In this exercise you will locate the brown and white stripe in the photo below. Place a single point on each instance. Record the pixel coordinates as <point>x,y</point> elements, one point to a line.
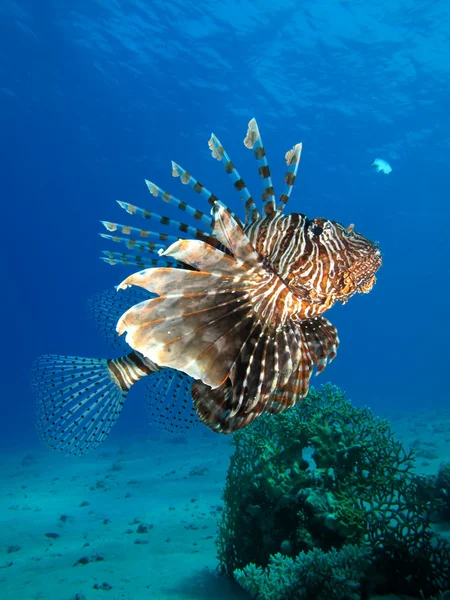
<point>127,370</point>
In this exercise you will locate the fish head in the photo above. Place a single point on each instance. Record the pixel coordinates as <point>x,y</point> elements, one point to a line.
<point>351,259</point>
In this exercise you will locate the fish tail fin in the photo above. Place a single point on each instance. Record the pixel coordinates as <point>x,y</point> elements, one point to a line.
<point>80,399</point>
<point>254,142</point>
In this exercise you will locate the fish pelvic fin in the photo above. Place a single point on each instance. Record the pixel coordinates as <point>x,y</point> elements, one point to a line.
<point>80,399</point>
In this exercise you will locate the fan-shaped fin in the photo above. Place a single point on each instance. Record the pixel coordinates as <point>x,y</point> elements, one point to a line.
<point>204,258</point>
<point>232,236</point>
<point>78,401</point>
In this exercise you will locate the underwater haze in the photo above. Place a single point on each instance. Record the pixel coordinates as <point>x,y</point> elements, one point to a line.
<point>97,96</point>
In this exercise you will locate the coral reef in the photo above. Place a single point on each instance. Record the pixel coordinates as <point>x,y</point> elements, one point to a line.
<point>435,489</point>
<point>320,481</point>
<point>335,575</point>
<point>442,486</point>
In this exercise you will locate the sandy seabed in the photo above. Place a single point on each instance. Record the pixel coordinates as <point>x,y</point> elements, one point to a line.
<point>135,519</point>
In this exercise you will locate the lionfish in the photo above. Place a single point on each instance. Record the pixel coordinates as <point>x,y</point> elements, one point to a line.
<point>238,309</point>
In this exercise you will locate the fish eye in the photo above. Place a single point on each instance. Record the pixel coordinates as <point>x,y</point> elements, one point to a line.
<point>316,229</point>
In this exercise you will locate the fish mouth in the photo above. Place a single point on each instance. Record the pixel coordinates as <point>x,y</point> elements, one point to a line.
<point>360,277</point>
<point>370,266</point>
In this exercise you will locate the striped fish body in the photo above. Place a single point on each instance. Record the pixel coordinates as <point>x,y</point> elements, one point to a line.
<point>128,370</point>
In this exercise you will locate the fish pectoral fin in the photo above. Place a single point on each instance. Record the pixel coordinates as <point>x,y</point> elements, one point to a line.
<point>321,343</point>
<point>198,330</point>
<point>269,376</point>
<point>217,325</point>
<point>236,403</point>
<point>228,408</point>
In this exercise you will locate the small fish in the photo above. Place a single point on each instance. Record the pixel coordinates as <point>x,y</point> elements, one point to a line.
<point>382,166</point>
<point>238,315</point>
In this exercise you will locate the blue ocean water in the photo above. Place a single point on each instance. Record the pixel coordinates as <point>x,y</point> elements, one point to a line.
<point>96,96</point>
